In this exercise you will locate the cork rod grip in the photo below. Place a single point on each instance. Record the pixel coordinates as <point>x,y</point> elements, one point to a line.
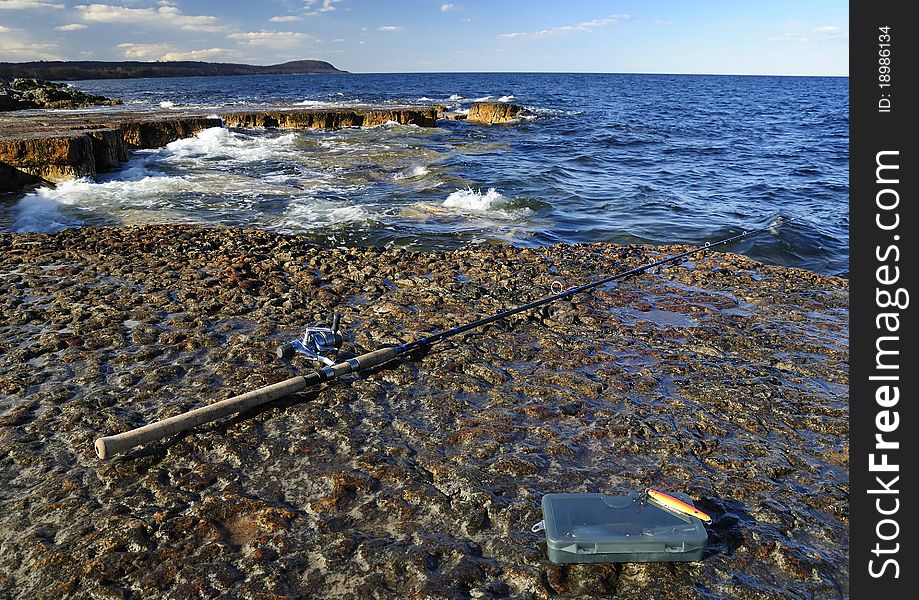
<point>113,444</point>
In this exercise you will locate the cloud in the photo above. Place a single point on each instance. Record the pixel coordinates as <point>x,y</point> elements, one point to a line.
<point>168,52</point>
<point>446,7</point>
<point>327,6</point>
<point>26,4</point>
<point>391,28</point>
<point>564,30</point>
<point>278,39</point>
<point>4,29</point>
<point>207,54</point>
<point>284,19</point>
<point>164,16</point>
<point>145,51</point>
<point>814,35</point>
<point>71,27</point>
<point>27,50</point>
<point>827,32</point>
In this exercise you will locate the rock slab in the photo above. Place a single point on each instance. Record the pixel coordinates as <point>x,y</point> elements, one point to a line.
<point>721,377</point>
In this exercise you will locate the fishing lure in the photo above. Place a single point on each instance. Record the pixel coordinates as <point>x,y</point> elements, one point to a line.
<point>676,505</point>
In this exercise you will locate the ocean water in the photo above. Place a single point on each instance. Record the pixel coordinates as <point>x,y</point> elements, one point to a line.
<point>601,158</point>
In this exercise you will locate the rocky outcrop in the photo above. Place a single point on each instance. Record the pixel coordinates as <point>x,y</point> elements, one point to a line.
<point>63,147</point>
<point>55,158</point>
<point>12,179</point>
<point>158,133</point>
<point>50,158</point>
<point>332,118</point>
<point>22,94</point>
<point>494,112</point>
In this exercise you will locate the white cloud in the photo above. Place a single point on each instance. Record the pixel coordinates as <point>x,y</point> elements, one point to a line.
<point>446,7</point>
<point>27,51</point>
<point>71,27</point>
<point>340,40</point>
<point>4,29</point>
<point>326,6</point>
<point>25,4</point>
<point>278,39</point>
<point>564,30</point>
<point>145,51</point>
<point>207,54</point>
<point>829,32</point>
<point>391,28</point>
<point>284,19</point>
<point>168,52</point>
<point>815,35</point>
<point>164,16</point>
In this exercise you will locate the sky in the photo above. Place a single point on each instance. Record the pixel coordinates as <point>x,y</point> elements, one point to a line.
<point>780,37</point>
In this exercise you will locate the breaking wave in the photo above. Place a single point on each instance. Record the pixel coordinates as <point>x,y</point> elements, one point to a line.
<point>470,199</point>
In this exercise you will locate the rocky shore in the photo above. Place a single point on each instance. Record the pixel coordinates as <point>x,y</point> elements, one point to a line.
<point>721,377</point>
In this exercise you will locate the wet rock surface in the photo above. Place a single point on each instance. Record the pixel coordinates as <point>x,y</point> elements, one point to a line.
<point>494,112</point>
<point>720,377</point>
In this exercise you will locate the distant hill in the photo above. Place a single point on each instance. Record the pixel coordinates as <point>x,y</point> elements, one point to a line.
<point>91,69</point>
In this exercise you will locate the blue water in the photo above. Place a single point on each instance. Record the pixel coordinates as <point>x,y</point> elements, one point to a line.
<point>603,157</point>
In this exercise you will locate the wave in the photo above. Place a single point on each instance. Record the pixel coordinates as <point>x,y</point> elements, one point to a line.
<point>219,143</point>
<point>470,199</point>
<point>312,213</point>
<point>81,201</point>
<point>412,173</point>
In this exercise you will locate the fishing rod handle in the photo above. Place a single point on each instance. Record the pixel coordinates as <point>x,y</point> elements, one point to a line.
<point>360,363</point>
<point>114,444</point>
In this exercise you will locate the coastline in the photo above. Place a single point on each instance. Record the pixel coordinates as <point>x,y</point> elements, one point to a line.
<point>722,377</point>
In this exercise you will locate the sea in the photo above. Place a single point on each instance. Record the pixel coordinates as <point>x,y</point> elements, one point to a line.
<point>624,158</point>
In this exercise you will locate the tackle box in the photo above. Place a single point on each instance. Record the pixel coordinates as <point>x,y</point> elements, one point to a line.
<point>590,528</point>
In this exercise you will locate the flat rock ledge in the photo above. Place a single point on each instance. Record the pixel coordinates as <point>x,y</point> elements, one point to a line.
<point>47,147</point>
<point>721,377</point>
<point>41,148</point>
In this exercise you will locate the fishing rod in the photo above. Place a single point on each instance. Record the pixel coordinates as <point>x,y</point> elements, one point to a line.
<point>318,342</point>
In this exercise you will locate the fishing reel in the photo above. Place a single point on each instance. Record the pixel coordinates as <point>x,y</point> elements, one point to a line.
<point>317,343</point>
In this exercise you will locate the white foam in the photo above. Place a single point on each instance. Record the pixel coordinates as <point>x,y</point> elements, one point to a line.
<point>510,98</point>
<point>484,99</point>
<point>39,212</point>
<point>167,104</point>
<point>53,209</point>
<point>217,142</point>
<point>455,97</point>
<point>412,173</point>
<point>470,199</point>
<point>310,213</point>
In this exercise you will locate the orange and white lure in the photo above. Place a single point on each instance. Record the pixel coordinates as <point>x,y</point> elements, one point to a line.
<point>676,505</point>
